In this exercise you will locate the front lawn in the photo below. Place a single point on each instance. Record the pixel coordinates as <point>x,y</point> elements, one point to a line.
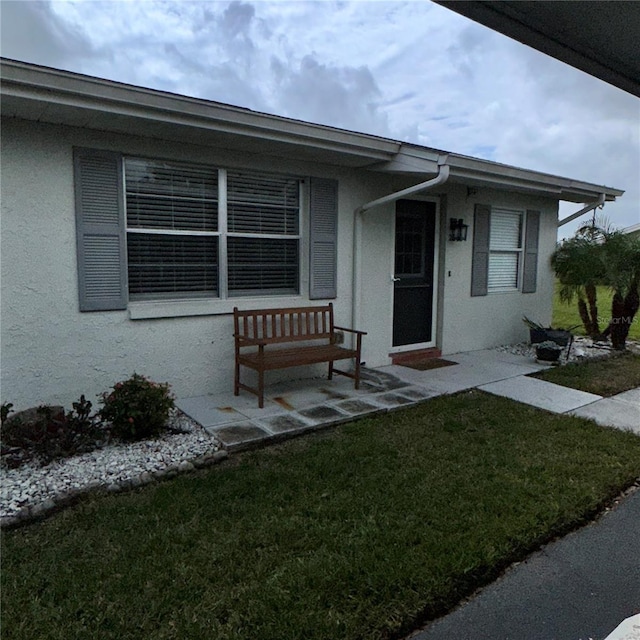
<point>604,377</point>
<point>365,531</point>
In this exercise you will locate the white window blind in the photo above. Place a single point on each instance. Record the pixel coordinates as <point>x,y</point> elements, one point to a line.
<point>262,203</point>
<point>171,196</point>
<point>175,238</point>
<point>172,224</point>
<point>263,220</point>
<point>505,249</point>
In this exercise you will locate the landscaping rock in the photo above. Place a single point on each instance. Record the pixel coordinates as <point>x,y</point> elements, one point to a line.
<point>36,415</point>
<point>114,467</point>
<point>42,507</point>
<point>223,454</point>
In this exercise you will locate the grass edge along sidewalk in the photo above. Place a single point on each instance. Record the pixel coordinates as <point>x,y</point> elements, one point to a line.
<point>604,376</point>
<point>365,531</point>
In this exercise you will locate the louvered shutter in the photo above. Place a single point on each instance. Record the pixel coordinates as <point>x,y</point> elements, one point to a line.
<point>100,232</point>
<point>480,260</point>
<point>323,251</point>
<point>530,268</point>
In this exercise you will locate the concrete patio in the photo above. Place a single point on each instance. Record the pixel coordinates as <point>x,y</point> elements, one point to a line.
<point>295,407</point>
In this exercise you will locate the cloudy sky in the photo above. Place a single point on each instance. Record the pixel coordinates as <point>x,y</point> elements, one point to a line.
<point>411,71</point>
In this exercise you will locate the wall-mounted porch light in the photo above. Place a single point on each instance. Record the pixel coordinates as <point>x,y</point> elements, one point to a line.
<point>457,230</point>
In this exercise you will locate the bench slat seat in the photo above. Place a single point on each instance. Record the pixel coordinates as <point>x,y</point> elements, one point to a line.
<point>311,329</point>
<point>295,356</point>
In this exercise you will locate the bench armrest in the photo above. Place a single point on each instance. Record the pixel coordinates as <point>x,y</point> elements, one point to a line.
<point>356,331</point>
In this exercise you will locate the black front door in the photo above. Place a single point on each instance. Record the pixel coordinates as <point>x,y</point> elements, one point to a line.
<point>413,278</point>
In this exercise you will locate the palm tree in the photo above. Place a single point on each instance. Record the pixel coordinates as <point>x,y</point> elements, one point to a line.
<point>621,261</point>
<point>598,255</point>
<point>578,267</point>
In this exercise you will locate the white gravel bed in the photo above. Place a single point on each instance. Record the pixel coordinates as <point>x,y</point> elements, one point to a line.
<point>31,489</point>
<point>581,349</point>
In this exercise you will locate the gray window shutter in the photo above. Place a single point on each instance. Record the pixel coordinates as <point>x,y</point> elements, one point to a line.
<point>530,269</point>
<point>100,230</point>
<point>323,252</point>
<point>480,261</point>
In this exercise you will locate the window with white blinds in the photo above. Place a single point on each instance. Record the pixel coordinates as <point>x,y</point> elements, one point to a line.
<point>185,239</point>
<point>263,220</point>
<point>505,249</point>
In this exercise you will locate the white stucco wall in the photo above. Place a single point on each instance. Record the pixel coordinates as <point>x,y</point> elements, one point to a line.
<point>52,353</point>
<point>471,323</point>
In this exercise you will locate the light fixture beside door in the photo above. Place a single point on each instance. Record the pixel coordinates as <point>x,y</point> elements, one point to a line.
<point>457,230</point>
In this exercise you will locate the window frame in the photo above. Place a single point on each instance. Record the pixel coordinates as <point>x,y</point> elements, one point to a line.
<point>517,251</point>
<point>222,234</point>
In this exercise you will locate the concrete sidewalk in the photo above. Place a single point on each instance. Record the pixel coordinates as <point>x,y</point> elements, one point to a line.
<point>578,588</point>
<point>621,411</point>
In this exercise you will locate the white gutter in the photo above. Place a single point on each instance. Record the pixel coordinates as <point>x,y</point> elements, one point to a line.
<point>442,177</point>
<point>589,207</point>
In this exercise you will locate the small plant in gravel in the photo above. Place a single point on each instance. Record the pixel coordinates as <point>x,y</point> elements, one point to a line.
<point>47,433</point>
<point>137,408</point>
<point>5,409</point>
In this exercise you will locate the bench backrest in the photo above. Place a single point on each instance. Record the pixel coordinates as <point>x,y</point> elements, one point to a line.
<point>284,325</point>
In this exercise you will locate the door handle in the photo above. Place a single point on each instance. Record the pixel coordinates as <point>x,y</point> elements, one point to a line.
<point>394,279</point>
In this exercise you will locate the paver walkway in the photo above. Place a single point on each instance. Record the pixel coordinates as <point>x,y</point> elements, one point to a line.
<point>292,408</point>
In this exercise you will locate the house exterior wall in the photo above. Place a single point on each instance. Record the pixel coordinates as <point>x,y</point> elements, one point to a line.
<point>480,322</point>
<point>464,323</point>
<point>53,353</point>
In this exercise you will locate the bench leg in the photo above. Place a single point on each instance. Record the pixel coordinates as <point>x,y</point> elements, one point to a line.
<point>331,370</point>
<point>357,373</point>
<point>261,389</point>
<point>236,380</point>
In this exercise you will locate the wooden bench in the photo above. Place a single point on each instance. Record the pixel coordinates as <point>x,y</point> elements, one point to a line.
<point>312,330</point>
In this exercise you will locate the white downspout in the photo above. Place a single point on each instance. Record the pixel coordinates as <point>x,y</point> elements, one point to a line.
<point>598,203</point>
<point>443,176</point>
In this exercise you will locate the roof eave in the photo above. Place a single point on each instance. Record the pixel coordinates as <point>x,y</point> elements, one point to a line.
<point>492,174</point>
<point>39,91</point>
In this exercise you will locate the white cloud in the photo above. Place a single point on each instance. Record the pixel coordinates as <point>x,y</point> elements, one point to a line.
<point>408,70</point>
<point>31,32</point>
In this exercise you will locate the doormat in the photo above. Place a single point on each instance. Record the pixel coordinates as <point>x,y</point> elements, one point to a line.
<point>428,363</point>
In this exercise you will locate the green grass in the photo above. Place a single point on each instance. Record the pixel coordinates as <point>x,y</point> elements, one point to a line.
<point>361,532</point>
<point>604,377</point>
<point>566,315</point>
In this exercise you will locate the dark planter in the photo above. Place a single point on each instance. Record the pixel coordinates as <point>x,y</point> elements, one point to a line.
<point>548,355</point>
<point>561,338</point>
<point>537,335</point>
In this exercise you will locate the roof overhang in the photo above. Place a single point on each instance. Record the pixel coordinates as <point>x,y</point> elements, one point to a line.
<point>42,94</point>
<point>474,172</point>
<point>60,97</point>
<point>598,37</point>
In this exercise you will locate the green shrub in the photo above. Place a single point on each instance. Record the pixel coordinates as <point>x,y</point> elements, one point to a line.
<point>137,408</point>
